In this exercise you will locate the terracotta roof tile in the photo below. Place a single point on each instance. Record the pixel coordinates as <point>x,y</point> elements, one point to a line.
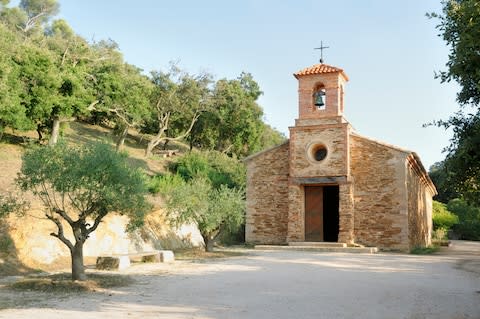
<point>319,69</point>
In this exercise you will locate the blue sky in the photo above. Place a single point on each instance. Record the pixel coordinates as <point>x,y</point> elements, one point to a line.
<point>389,50</point>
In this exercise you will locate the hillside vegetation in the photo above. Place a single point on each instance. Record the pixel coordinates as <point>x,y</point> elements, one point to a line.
<point>55,85</point>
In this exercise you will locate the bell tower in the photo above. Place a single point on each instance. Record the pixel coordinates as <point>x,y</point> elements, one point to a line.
<point>320,94</point>
<point>319,159</point>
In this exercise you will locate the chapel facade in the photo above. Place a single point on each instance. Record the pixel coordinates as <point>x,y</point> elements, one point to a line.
<point>327,183</point>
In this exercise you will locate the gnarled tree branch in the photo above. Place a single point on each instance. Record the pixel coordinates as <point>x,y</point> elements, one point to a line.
<point>60,234</point>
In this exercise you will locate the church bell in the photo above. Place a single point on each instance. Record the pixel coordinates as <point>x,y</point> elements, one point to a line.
<point>319,98</point>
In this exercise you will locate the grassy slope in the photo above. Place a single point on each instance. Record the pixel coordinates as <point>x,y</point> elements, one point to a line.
<point>13,145</point>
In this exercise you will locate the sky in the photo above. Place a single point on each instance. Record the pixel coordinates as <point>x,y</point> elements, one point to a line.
<point>389,49</point>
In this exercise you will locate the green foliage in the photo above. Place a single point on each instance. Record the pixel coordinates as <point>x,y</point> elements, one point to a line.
<point>235,124</point>
<point>86,182</point>
<point>12,204</point>
<point>271,137</point>
<point>468,226</point>
<point>463,160</point>
<point>79,186</point>
<point>3,4</point>
<point>40,82</point>
<point>122,92</point>
<point>424,250</point>
<point>12,112</point>
<point>460,28</point>
<point>216,167</point>
<point>214,211</point>
<point>45,8</point>
<point>164,184</point>
<point>178,99</point>
<point>442,217</point>
<point>440,234</point>
<point>6,244</point>
<point>208,190</point>
<point>442,178</point>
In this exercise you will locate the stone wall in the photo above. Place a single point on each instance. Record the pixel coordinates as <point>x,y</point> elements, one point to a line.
<point>334,137</point>
<point>267,196</point>
<point>296,213</point>
<point>346,213</point>
<point>419,209</point>
<point>380,196</point>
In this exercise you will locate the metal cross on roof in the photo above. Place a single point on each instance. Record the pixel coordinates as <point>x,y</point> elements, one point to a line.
<point>321,48</point>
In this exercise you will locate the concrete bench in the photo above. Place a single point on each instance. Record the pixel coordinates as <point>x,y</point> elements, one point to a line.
<point>122,261</point>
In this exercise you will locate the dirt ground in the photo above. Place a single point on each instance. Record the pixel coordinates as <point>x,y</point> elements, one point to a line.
<point>278,284</point>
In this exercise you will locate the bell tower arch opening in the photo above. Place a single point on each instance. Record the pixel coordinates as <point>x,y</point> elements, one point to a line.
<point>320,90</point>
<point>319,97</point>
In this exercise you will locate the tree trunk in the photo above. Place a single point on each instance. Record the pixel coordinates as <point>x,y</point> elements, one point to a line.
<point>165,144</point>
<point>39,132</point>
<point>121,139</point>
<point>208,243</point>
<point>55,131</point>
<point>78,270</point>
<point>150,146</point>
<point>154,142</point>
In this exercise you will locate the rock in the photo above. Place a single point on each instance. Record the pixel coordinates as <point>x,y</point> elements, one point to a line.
<point>113,262</point>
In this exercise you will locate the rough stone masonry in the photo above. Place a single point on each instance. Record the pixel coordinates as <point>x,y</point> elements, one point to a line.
<point>328,183</point>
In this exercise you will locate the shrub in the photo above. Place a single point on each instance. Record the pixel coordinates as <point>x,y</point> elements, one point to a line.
<point>440,234</point>
<point>216,167</point>
<point>207,188</point>
<point>468,226</point>
<point>442,217</point>
<point>164,183</point>
<point>6,244</point>
<point>214,211</point>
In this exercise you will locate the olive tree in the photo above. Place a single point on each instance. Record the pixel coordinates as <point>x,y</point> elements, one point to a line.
<point>78,187</point>
<point>213,210</point>
<point>178,100</point>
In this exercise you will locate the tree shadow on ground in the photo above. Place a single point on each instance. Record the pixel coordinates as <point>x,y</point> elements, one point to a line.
<point>255,286</point>
<point>20,140</point>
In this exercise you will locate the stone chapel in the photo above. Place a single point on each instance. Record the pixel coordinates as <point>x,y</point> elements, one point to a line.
<point>327,183</point>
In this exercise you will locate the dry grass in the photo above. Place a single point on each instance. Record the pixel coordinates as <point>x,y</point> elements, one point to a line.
<point>200,254</point>
<point>62,283</point>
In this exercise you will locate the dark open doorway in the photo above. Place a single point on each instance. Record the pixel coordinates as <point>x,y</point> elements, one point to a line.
<point>321,213</point>
<point>330,213</point>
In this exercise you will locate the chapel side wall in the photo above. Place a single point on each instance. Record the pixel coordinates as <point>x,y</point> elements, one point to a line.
<point>419,210</point>
<point>380,195</point>
<point>267,197</point>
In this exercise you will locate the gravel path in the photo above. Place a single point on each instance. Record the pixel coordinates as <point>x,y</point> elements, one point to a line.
<point>280,284</point>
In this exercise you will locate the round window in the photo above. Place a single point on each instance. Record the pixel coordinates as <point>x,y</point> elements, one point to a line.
<point>319,152</point>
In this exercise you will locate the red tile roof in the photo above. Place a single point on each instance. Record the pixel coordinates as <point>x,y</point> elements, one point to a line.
<point>319,69</point>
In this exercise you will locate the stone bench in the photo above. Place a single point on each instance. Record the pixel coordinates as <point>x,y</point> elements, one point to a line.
<point>166,153</point>
<point>122,261</point>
